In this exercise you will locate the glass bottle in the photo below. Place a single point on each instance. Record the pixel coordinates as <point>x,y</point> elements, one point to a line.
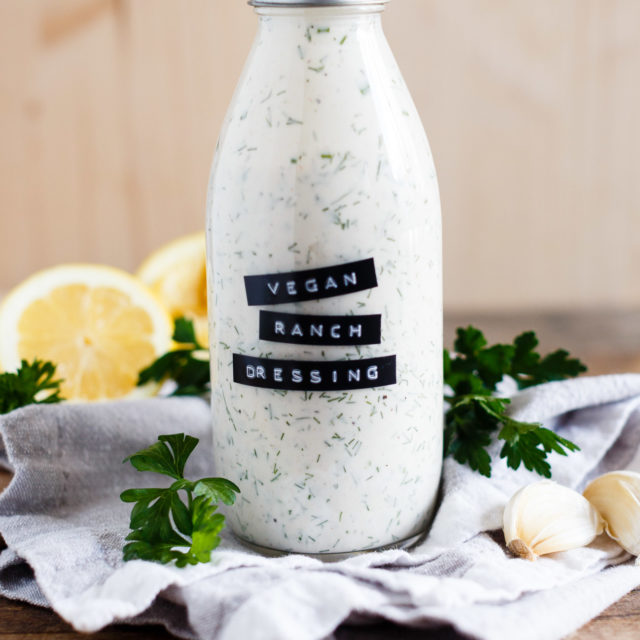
<point>324,271</point>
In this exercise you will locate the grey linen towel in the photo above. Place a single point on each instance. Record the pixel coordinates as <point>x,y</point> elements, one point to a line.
<point>64,528</point>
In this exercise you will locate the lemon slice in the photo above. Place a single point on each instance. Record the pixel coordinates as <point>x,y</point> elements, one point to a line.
<point>177,274</point>
<point>99,325</point>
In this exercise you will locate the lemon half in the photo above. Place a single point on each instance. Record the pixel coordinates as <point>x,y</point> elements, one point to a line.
<point>99,325</point>
<point>177,274</point>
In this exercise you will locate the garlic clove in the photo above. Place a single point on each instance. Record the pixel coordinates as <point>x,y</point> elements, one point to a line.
<point>545,517</point>
<point>616,495</point>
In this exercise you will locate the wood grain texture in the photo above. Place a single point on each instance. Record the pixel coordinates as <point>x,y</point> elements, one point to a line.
<point>110,109</point>
<point>607,342</point>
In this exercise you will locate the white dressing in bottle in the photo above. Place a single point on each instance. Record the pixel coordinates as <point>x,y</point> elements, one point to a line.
<point>325,289</point>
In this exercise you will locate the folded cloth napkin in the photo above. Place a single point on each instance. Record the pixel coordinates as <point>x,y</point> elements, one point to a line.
<point>64,528</point>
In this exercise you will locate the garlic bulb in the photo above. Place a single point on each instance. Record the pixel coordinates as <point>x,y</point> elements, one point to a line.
<point>616,496</point>
<point>545,517</point>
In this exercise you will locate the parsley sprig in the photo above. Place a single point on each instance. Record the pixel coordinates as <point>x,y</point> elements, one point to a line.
<point>33,383</point>
<point>475,414</point>
<point>162,524</point>
<point>187,365</point>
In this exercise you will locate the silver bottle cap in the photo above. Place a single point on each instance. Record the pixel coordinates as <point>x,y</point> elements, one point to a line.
<point>312,3</point>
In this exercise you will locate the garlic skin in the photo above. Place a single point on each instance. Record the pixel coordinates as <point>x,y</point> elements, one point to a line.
<point>616,495</point>
<point>545,517</point>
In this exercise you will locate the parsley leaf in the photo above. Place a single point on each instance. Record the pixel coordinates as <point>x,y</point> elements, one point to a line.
<point>475,414</point>
<point>469,425</point>
<point>32,383</point>
<point>528,368</point>
<point>187,365</point>
<point>167,456</point>
<point>163,526</point>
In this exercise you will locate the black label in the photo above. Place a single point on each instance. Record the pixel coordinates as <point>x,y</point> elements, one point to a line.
<point>311,284</point>
<point>296,328</point>
<point>306,375</point>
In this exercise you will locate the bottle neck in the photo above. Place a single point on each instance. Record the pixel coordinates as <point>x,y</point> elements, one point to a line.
<point>315,26</point>
<point>327,12</point>
<point>318,4</point>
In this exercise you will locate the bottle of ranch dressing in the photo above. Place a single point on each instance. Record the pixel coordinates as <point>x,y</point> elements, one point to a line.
<point>324,244</point>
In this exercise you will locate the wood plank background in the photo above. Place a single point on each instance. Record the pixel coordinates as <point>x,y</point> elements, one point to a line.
<point>110,109</point>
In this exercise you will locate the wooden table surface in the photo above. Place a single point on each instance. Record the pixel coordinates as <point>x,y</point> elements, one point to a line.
<point>608,342</point>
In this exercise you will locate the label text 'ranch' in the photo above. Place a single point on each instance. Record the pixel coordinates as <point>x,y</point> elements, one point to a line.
<point>321,330</point>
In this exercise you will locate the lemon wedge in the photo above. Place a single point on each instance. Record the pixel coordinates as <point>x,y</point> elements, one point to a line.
<point>177,274</point>
<point>99,325</point>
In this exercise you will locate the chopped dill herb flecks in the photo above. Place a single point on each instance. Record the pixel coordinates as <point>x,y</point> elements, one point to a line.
<point>343,161</point>
<point>331,192</point>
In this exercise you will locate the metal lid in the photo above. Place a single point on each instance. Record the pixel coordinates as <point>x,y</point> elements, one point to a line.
<point>312,3</point>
